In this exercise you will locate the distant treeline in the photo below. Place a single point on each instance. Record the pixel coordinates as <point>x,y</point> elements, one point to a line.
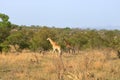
<point>34,37</point>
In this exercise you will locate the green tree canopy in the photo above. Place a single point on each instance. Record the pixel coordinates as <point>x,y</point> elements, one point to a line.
<point>5,27</point>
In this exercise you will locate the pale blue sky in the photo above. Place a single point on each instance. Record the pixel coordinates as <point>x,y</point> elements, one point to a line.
<point>64,13</point>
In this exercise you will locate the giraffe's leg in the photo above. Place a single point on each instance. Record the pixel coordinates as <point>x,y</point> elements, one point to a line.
<point>53,50</point>
<point>60,52</point>
<point>73,51</point>
<point>69,50</point>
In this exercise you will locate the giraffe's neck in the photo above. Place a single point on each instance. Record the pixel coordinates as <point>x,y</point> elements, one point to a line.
<point>52,42</point>
<point>66,42</point>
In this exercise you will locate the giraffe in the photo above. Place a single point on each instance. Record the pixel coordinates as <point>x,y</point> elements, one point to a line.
<point>69,46</point>
<point>55,46</point>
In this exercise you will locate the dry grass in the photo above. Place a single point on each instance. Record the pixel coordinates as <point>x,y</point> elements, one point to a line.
<point>87,65</point>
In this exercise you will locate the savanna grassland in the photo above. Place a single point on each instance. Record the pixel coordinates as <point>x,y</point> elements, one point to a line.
<point>97,53</point>
<point>85,65</point>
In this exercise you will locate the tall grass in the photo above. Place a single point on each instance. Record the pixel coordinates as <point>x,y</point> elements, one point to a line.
<point>86,65</point>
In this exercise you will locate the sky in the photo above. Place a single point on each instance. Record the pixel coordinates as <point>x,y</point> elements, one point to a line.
<point>95,14</point>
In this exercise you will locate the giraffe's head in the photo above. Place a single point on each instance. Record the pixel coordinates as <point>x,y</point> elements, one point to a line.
<point>48,38</point>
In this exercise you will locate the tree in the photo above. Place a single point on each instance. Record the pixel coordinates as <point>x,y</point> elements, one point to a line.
<point>20,39</point>
<point>5,27</point>
<point>39,39</point>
